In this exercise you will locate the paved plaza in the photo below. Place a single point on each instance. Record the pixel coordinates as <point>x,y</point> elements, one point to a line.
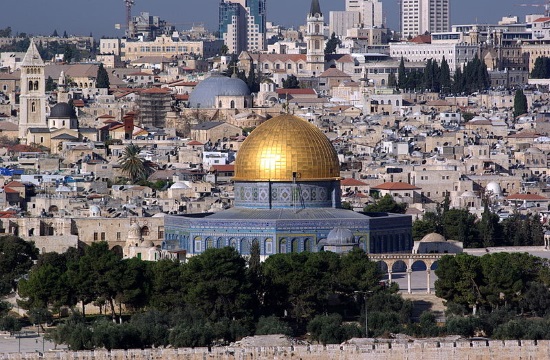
<point>29,342</point>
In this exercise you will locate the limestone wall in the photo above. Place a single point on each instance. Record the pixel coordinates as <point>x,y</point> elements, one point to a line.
<point>425,350</point>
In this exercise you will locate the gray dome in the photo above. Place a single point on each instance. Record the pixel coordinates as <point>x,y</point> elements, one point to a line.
<point>62,110</point>
<point>340,236</point>
<point>204,94</point>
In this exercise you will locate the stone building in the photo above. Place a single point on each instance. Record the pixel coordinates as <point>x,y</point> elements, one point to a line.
<point>287,198</point>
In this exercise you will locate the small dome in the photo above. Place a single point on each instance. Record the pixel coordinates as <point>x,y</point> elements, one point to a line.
<point>469,194</point>
<point>433,237</point>
<point>95,211</point>
<point>494,187</point>
<point>147,244</point>
<point>340,236</point>
<point>179,185</point>
<point>62,110</point>
<point>159,215</point>
<point>204,94</point>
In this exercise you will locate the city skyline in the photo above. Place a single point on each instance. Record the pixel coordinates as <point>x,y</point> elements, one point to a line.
<point>43,18</point>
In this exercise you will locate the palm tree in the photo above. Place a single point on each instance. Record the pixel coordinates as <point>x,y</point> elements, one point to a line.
<point>132,164</point>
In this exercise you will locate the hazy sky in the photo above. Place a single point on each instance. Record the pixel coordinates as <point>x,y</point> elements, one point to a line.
<point>81,17</point>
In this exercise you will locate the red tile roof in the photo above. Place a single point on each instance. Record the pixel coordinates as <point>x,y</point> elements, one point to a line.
<point>527,197</point>
<point>395,186</point>
<point>296,91</point>
<point>352,182</point>
<point>224,168</point>
<point>194,143</point>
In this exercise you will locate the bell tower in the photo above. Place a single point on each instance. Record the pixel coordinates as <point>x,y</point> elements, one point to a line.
<point>315,40</point>
<point>33,92</point>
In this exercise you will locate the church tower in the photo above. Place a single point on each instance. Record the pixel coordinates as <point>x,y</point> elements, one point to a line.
<point>315,40</point>
<point>33,92</point>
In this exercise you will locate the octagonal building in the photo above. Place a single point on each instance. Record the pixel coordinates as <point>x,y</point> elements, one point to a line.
<point>287,198</point>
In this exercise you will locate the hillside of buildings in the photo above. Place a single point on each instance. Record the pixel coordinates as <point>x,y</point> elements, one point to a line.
<point>127,174</point>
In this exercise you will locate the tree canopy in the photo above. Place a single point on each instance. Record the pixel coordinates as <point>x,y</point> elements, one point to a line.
<point>102,80</point>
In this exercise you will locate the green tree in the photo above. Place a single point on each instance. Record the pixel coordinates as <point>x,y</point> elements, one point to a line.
<point>217,285</point>
<point>459,279</point>
<point>224,49</point>
<point>541,68</point>
<point>98,275</point>
<point>489,227</point>
<point>332,44</point>
<point>102,78</point>
<point>133,165</point>
<point>445,76</point>
<point>291,82</point>
<point>16,259</point>
<point>47,285</point>
<point>401,75</point>
<point>50,85</point>
<point>520,103</point>
<point>134,286</point>
<point>167,285</point>
<point>272,325</point>
<point>386,204</point>
<point>6,32</point>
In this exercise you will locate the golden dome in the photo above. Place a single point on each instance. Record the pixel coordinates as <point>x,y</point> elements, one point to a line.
<point>283,145</point>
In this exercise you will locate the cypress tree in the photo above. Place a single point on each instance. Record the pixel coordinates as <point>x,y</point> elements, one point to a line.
<point>102,80</point>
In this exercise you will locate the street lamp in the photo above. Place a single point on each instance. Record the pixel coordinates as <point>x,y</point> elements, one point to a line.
<point>365,293</point>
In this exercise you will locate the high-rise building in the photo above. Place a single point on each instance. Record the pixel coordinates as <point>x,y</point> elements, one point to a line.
<point>370,11</point>
<point>242,25</point>
<point>421,16</point>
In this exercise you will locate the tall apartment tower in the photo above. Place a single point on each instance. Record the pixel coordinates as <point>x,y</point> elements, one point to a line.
<point>371,14</point>
<point>315,40</point>
<point>242,25</point>
<point>421,16</point>
<point>32,100</point>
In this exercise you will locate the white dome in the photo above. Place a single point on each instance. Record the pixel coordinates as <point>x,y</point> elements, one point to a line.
<point>159,215</point>
<point>433,237</point>
<point>494,187</point>
<point>179,185</point>
<point>95,211</point>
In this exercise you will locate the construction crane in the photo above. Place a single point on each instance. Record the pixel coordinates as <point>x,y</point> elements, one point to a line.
<point>545,6</point>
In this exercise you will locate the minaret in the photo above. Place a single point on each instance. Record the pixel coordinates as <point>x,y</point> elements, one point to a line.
<point>315,40</point>
<point>33,93</point>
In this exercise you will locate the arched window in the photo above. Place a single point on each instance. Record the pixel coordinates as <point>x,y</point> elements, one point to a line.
<point>232,104</point>
<point>307,244</point>
<point>198,243</point>
<point>209,243</point>
<point>145,231</point>
<point>245,246</point>
<point>220,104</point>
<point>282,246</point>
<point>33,106</point>
<point>36,85</point>
<point>317,28</point>
<point>269,246</point>
<point>295,245</point>
<point>383,82</point>
<point>396,102</point>
<point>221,243</point>
<point>317,45</point>
<point>30,85</point>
